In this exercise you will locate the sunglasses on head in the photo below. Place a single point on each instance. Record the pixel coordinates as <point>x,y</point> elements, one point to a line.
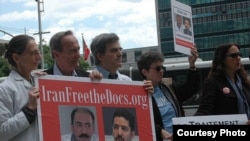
<point>234,55</point>
<point>159,68</point>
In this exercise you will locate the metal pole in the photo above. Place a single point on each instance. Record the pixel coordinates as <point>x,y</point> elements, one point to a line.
<point>6,33</point>
<point>40,32</point>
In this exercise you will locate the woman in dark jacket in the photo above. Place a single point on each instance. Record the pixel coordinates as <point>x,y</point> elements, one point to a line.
<point>227,88</point>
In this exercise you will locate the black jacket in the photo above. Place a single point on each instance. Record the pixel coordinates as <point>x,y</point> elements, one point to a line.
<point>216,101</point>
<point>179,94</point>
<point>80,72</point>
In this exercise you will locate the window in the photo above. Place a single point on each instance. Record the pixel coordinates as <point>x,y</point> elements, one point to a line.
<point>153,49</point>
<point>137,54</point>
<point>124,57</point>
<point>213,10</point>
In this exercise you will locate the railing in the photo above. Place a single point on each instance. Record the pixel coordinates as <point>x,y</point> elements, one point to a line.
<point>190,109</point>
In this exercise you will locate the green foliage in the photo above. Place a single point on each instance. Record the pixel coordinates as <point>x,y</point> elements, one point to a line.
<point>4,67</point>
<point>48,61</point>
<point>2,49</point>
<point>83,64</point>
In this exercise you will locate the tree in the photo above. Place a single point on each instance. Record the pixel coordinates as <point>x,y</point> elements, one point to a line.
<point>2,49</point>
<point>83,64</point>
<point>48,60</point>
<point>4,67</point>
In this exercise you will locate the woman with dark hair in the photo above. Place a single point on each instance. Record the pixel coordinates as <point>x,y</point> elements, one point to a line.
<point>18,96</point>
<point>227,88</point>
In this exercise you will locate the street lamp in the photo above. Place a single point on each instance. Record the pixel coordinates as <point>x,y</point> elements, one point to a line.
<point>40,31</point>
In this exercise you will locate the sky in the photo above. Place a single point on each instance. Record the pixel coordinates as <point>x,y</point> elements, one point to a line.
<point>134,21</point>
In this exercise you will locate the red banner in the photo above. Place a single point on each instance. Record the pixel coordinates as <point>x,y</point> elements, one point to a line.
<point>59,95</point>
<point>184,43</point>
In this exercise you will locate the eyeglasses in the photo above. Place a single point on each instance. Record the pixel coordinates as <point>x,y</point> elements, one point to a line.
<point>159,68</point>
<point>234,55</point>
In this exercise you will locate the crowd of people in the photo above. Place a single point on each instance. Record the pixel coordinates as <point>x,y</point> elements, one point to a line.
<point>225,91</point>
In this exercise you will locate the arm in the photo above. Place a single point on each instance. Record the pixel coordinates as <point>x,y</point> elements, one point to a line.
<point>95,75</point>
<point>166,135</point>
<point>192,84</point>
<point>188,88</point>
<point>12,122</point>
<point>148,86</point>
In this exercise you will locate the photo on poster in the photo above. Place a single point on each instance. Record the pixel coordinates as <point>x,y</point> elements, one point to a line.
<point>182,27</point>
<point>187,26</point>
<point>179,26</point>
<point>120,123</point>
<point>78,123</point>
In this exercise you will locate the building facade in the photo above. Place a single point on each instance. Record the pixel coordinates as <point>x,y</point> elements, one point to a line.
<point>215,22</point>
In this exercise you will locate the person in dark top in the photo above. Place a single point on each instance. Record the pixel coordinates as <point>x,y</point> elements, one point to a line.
<point>167,98</point>
<point>64,49</point>
<point>227,87</point>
